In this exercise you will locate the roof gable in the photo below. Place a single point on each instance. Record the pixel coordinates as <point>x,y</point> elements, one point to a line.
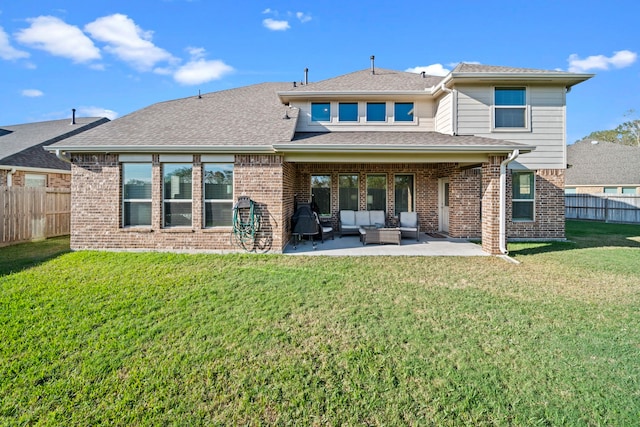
<point>381,80</point>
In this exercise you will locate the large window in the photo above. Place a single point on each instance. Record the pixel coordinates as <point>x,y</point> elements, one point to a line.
<point>136,194</point>
<point>348,192</point>
<point>320,112</point>
<point>403,192</point>
<point>321,193</point>
<point>348,112</point>
<point>523,199</point>
<point>376,112</point>
<point>176,190</point>
<point>218,194</point>
<point>510,108</point>
<point>403,112</point>
<point>377,192</point>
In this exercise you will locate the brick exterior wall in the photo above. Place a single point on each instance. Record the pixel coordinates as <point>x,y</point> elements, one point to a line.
<point>97,207</point>
<point>54,180</point>
<point>549,210</point>
<point>274,185</point>
<point>491,205</point>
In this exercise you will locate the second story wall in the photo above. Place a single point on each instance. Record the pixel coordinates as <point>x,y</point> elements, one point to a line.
<point>423,117</point>
<point>545,125</point>
<point>444,115</point>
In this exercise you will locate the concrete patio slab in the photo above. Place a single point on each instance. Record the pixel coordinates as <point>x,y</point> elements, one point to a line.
<point>351,246</point>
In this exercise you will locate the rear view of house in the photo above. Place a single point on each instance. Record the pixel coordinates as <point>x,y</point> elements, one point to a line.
<point>477,153</point>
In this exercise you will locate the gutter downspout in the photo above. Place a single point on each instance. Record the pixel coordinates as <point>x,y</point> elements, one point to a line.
<point>63,156</point>
<point>10,177</point>
<point>503,200</point>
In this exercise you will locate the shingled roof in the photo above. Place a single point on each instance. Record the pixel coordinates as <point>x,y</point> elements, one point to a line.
<point>22,145</point>
<point>249,116</point>
<point>602,163</point>
<point>381,80</point>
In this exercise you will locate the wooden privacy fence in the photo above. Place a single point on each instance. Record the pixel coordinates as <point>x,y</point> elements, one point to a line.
<point>623,208</point>
<point>28,214</point>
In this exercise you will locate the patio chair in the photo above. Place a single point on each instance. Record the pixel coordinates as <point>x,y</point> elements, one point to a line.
<point>325,229</point>
<point>410,224</point>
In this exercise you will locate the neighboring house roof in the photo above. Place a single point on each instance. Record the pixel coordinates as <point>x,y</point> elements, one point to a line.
<point>22,145</point>
<point>602,163</point>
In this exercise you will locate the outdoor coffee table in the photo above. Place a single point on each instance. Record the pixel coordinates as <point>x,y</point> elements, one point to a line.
<point>379,235</point>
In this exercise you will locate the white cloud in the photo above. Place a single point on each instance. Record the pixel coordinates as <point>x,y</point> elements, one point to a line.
<point>128,42</point>
<point>58,38</point>
<point>302,17</point>
<point>7,51</point>
<point>620,59</point>
<point>199,70</point>
<point>96,112</point>
<point>275,25</point>
<point>32,93</point>
<point>431,70</point>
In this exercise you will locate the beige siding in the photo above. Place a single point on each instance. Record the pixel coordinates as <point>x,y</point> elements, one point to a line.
<point>547,115</point>
<point>423,110</point>
<point>444,115</point>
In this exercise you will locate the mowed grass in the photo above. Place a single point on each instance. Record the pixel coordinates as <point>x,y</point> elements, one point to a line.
<point>91,338</point>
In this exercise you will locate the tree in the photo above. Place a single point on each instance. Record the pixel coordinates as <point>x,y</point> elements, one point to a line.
<point>627,133</point>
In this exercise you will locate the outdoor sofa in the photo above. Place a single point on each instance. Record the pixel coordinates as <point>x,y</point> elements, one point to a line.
<point>350,222</point>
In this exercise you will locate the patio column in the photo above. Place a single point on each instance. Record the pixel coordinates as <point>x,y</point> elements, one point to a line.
<point>491,205</point>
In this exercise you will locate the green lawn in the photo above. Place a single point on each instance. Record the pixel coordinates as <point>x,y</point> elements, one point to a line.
<point>91,338</point>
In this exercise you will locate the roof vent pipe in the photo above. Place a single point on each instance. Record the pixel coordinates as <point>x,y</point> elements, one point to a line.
<point>373,68</point>
<point>424,74</point>
<point>73,116</point>
<point>306,76</point>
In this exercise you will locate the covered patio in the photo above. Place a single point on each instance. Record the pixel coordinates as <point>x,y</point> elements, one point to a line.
<point>351,246</point>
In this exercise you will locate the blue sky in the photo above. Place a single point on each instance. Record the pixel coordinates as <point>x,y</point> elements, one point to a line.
<point>110,58</point>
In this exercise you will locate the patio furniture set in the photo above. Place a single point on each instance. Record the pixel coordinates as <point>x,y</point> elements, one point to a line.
<point>372,226</point>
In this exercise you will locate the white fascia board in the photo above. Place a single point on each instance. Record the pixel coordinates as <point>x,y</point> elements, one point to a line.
<point>559,78</point>
<point>195,149</point>
<point>286,96</point>
<point>286,148</point>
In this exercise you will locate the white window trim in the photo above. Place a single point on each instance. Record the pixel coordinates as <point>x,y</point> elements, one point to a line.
<point>215,201</point>
<point>526,106</point>
<point>414,116</point>
<point>533,200</point>
<point>332,109</point>
<point>172,201</point>
<point>150,200</point>
<point>386,113</point>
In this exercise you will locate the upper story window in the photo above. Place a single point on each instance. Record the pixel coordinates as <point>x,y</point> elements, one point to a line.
<point>403,112</point>
<point>376,111</point>
<point>510,108</point>
<point>320,111</point>
<point>348,112</point>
